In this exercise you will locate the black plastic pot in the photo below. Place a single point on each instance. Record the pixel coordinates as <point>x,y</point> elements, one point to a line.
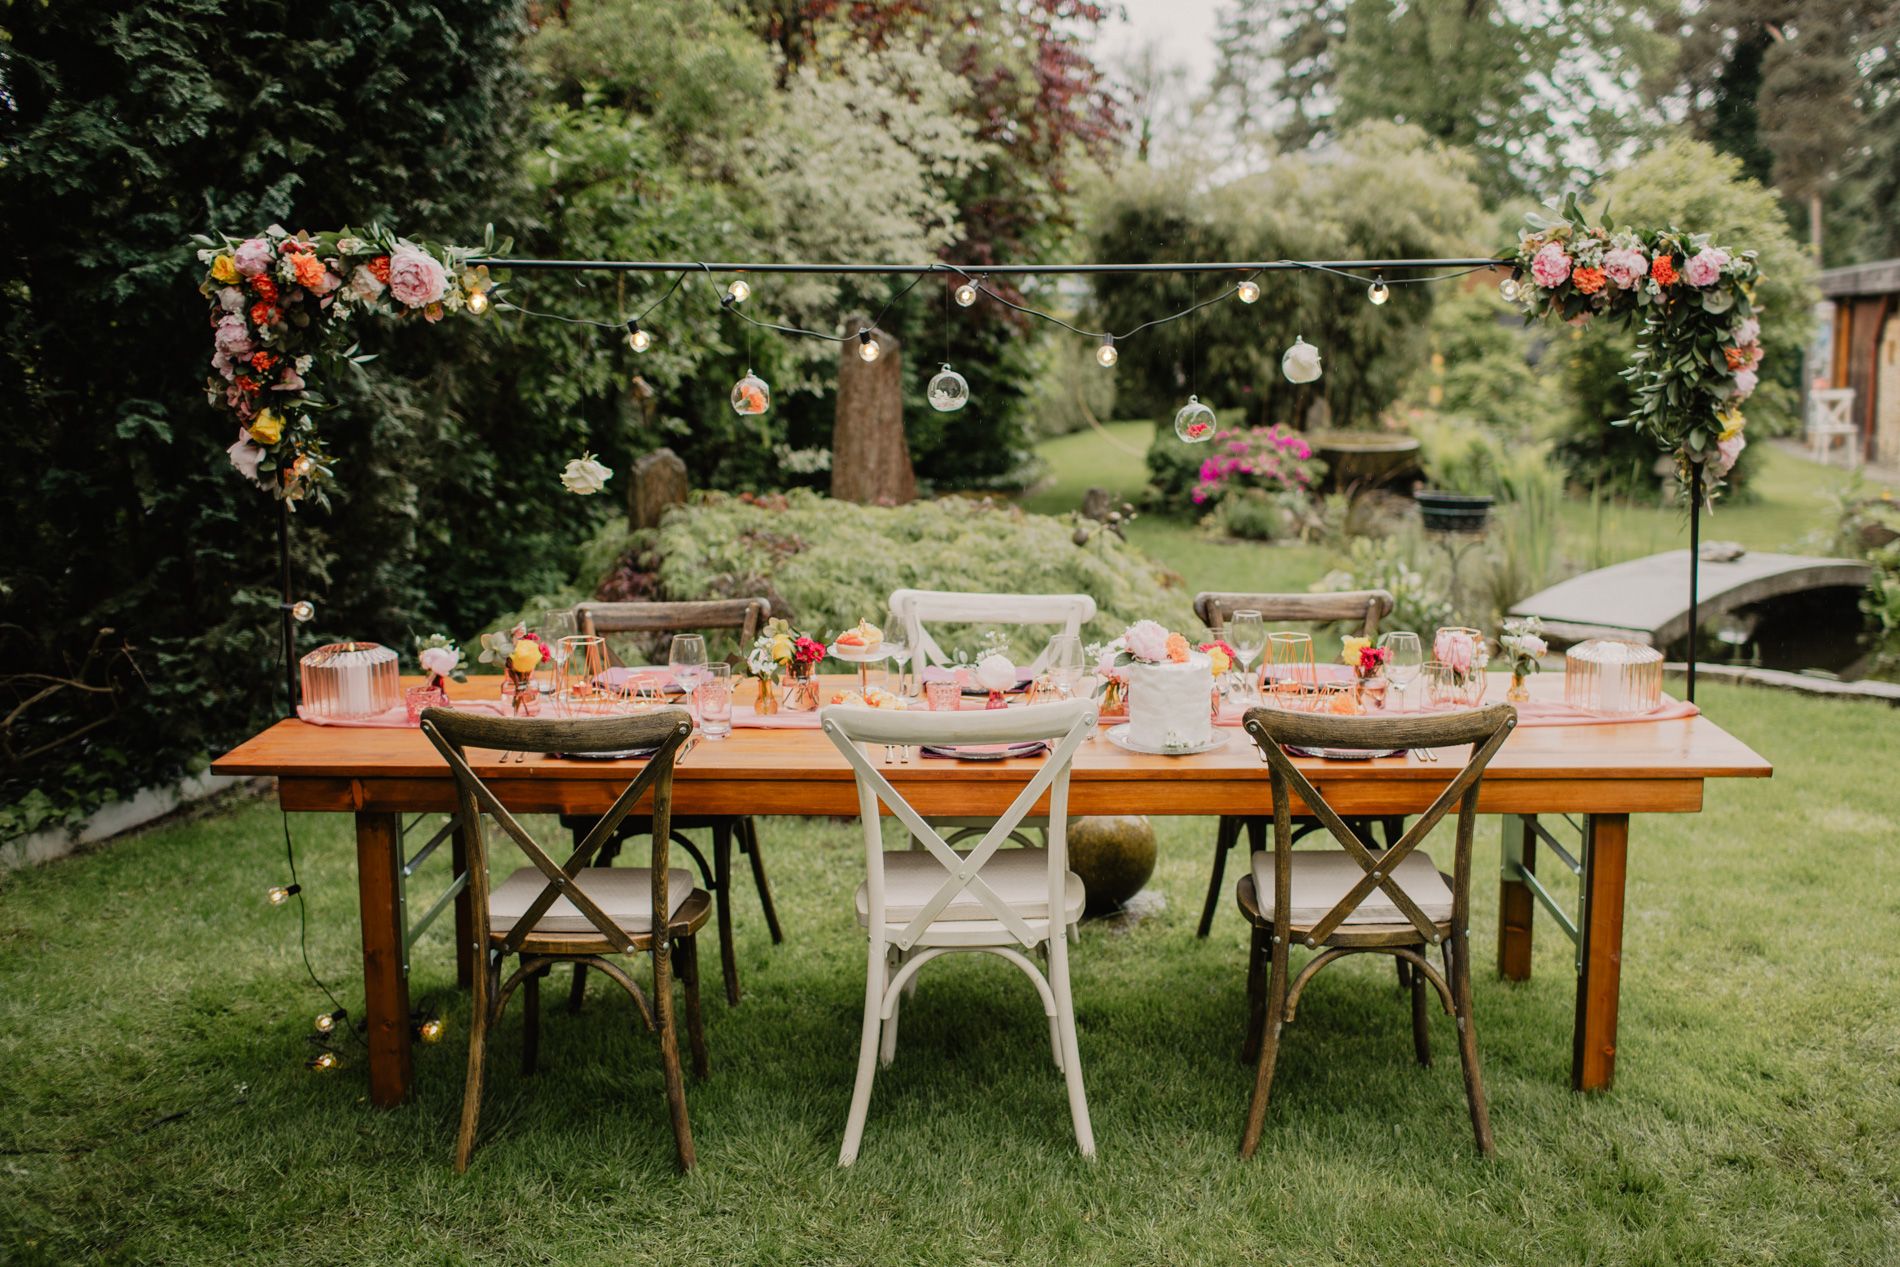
<point>1453,512</point>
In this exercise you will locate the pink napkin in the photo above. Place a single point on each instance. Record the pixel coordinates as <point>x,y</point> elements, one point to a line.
<point>1533,713</point>
<point>397,718</point>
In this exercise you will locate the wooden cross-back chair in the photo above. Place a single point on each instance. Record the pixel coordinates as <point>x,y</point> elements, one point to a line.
<point>919,904</point>
<point>1356,899</point>
<point>744,617</point>
<point>572,912</point>
<point>1215,609</point>
<point>916,608</point>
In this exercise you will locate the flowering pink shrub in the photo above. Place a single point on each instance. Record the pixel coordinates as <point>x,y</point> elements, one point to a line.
<point>1274,459</point>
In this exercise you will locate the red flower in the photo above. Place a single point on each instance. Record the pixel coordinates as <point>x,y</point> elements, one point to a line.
<point>262,361</point>
<point>806,651</point>
<point>245,383</point>
<point>379,269</point>
<point>1372,658</point>
<point>263,314</point>
<point>1664,271</point>
<point>1589,280</point>
<point>265,288</point>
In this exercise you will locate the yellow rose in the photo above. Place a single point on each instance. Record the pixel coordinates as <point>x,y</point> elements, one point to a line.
<point>1351,649</point>
<point>526,657</point>
<point>267,427</point>
<point>782,649</point>
<point>1732,422</point>
<point>1217,661</point>
<point>224,270</point>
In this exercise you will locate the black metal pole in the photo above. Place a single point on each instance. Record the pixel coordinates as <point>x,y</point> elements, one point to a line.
<point>283,569</point>
<point>973,270</point>
<point>1695,565</point>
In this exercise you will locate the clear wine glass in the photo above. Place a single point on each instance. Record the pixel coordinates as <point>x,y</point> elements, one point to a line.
<point>557,626</point>
<point>897,646</point>
<point>687,660</point>
<point>1247,635</point>
<point>1065,661</point>
<point>1404,655</point>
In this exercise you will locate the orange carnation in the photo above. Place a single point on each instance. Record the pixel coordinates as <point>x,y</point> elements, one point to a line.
<point>265,288</point>
<point>262,361</point>
<point>1664,271</point>
<point>309,270</point>
<point>1177,648</point>
<point>1735,357</point>
<point>1589,280</point>
<point>263,314</point>
<point>379,269</point>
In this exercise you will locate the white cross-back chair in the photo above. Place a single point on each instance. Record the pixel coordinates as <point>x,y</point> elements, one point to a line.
<point>919,904</point>
<point>1831,418</point>
<point>916,607</point>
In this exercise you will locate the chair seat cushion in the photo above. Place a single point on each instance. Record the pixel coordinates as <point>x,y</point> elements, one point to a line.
<point>1019,876</point>
<point>625,893</point>
<point>1322,876</point>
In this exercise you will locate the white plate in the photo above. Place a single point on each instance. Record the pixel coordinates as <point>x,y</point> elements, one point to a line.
<point>1344,754</point>
<point>858,657</point>
<point>1118,736</point>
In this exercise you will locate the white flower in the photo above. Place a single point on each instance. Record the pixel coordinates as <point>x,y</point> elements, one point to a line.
<point>440,661</point>
<point>364,286</point>
<point>1300,363</point>
<point>584,476</point>
<point>994,672</point>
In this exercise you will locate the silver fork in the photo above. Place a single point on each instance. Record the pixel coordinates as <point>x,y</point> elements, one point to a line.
<point>1425,755</point>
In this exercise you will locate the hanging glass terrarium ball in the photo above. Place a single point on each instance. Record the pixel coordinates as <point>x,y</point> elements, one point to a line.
<point>948,391</point>
<point>1194,422</point>
<point>750,395</point>
<point>1300,363</point>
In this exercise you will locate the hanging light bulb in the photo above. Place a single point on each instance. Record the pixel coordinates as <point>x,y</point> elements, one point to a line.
<point>431,1030</point>
<point>328,1021</point>
<point>1106,355</point>
<point>323,1061</point>
<point>948,392</point>
<point>966,293</point>
<point>750,395</point>
<point>868,347</point>
<point>637,339</point>
<point>1247,291</point>
<point>278,894</point>
<point>478,302</point>
<point>739,290</point>
<point>1510,288</point>
<point>303,611</point>
<point>1378,292</point>
<point>1194,422</point>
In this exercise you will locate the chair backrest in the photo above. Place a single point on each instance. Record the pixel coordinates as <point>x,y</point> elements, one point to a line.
<point>1485,728</point>
<point>1831,409</point>
<point>915,607</point>
<point>663,730</point>
<point>1215,608</point>
<point>742,617</point>
<point>1063,725</point>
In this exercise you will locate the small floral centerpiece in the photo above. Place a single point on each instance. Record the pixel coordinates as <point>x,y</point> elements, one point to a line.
<point>995,673</point>
<point>1523,641</point>
<point>1221,659</point>
<point>519,652</point>
<point>441,660</point>
<point>1463,655</point>
<point>782,653</point>
<point>1367,663</point>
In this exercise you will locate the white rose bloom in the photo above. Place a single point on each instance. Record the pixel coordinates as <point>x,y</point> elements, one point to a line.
<point>584,476</point>
<point>440,660</point>
<point>995,673</point>
<point>364,286</point>
<point>1300,363</point>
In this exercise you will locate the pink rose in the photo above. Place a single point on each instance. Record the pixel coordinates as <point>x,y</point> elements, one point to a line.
<point>1747,330</point>
<point>1726,454</point>
<point>1625,267</point>
<point>245,456</point>
<point>1550,267</point>
<point>291,381</point>
<point>1454,650</point>
<point>222,364</point>
<point>253,256</point>
<point>1146,640</point>
<point>416,277</point>
<point>1704,268</point>
<point>231,299</point>
<point>232,337</point>
<point>1743,385</point>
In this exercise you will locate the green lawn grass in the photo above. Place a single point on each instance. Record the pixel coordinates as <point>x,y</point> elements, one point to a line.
<point>156,1109</point>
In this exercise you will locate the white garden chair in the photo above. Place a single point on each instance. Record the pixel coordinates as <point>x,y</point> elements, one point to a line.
<point>920,904</point>
<point>915,607</point>
<point>1831,418</point>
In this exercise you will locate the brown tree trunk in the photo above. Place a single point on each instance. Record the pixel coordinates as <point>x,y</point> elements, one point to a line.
<point>658,484</point>
<point>870,461</point>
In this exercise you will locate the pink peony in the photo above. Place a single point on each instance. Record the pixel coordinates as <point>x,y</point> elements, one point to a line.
<point>245,456</point>
<point>1146,640</point>
<point>222,363</point>
<point>1743,385</point>
<point>1550,267</point>
<point>1747,330</point>
<point>290,381</point>
<point>416,277</point>
<point>1704,268</point>
<point>1727,452</point>
<point>1625,267</point>
<point>231,299</point>
<point>253,256</point>
<point>1454,650</point>
<point>232,337</point>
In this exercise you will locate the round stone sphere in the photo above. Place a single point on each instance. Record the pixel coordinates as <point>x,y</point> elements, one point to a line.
<point>1114,855</point>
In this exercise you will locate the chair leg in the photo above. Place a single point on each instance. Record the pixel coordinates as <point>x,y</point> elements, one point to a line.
<point>1256,993</point>
<point>749,845</point>
<point>531,1022</point>
<point>1071,1057</point>
<point>887,1040</point>
<point>1225,835</point>
<point>487,984</point>
<point>1421,1032</point>
<point>670,1053</point>
<point>867,1055</point>
<point>605,858</point>
<point>687,950</point>
<point>1270,1027</point>
<point>1468,1043</point>
<point>722,903</point>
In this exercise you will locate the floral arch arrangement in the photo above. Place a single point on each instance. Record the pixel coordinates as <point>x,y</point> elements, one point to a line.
<point>1698,350</point>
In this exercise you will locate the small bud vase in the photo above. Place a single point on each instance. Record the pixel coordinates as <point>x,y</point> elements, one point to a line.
<point>1519,692</point>
<point>767,703</point>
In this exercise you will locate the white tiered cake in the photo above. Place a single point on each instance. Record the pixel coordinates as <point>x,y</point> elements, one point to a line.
<point>1169,705</point>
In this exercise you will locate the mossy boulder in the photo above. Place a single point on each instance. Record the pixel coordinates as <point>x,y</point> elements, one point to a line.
<point>1115,855</point>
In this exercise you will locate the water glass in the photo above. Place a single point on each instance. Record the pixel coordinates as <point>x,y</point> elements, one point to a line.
<point>943,695</point>
<point>1065,661</point>
<point>713,697</point>
<point>1405,655</point>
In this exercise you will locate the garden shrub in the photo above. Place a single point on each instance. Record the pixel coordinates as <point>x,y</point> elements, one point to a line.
<point>1403,564</point>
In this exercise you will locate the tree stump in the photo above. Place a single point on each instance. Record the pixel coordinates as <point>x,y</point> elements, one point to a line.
<point>870,460</point>
<point>658,484</point>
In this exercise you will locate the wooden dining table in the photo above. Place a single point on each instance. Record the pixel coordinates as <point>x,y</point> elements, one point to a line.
<point>1568,791</point>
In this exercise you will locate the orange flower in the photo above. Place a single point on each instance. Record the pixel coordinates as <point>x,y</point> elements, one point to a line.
<point>1663,270</point>
<point>262,361</point>
<point>379,269</point>
<point>309,270</point>
<point>263,314</point>
<point>1735,357</point>
<point>1177,648</point>
<point>1589,280</point>
<point>265,288</point>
